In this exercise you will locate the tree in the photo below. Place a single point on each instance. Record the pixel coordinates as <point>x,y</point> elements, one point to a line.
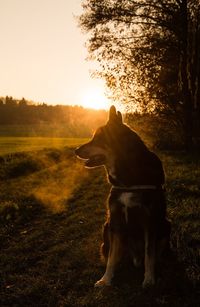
<point>23,102</point>
<point>9,101</point>
<point>143,50</point>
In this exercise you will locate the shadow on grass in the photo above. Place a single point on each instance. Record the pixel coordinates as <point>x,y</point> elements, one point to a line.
<point>172,287</point>
<point>53,259</point>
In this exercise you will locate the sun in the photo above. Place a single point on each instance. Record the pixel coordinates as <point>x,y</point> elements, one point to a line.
<point>95,98</point>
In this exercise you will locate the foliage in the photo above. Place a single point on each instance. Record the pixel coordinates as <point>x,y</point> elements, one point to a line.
<point>158,132</point>
<point>50,250</point>
<point>149,55</point>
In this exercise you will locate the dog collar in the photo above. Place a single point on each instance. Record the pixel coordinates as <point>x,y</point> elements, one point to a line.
<point>137,187</point>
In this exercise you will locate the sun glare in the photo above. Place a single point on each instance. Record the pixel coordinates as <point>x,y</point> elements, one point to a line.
<point>95,99</point>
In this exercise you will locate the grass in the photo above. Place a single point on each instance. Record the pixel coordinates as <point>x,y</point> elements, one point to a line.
<point>17,144</point>
<point>40,130</point>
<point>52,210</point>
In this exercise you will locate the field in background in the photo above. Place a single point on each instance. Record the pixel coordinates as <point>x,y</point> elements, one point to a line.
<point>51,213</point>
<point>18,144</point>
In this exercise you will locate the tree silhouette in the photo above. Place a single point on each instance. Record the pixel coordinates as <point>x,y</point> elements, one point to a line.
<point>22,102</point>
<point>149,54</point>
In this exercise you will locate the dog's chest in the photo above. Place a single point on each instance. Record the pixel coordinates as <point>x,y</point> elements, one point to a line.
<point>129,200</point>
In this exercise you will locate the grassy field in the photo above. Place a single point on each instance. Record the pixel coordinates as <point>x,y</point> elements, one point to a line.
<point>42,130</point>
<point>51,213</point>
<point>17,144</point>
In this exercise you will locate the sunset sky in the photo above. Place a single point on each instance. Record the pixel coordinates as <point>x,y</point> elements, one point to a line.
<point>42,54</point>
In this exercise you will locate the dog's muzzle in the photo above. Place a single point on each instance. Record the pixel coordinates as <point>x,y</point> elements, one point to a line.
<point>90,160</point>
<point>77,151</point>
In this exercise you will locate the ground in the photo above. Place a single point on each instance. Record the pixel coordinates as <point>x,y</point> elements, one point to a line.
<point>52,211</point>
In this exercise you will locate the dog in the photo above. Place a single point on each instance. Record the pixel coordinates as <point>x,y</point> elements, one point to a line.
<point>136,221</point>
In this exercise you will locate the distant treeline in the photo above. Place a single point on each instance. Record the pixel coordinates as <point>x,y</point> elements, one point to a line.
<point>43,119</point>
<point>25,118</point>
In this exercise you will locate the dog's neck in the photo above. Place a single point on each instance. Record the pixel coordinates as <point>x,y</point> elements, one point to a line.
<point>128,175</point>
<point>112,176</point>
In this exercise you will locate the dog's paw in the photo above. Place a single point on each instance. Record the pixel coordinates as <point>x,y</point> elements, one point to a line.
<point>102,283</point>
<point>148,283</point>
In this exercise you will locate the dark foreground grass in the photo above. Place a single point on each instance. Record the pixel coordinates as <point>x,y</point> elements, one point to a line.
<point>52,210</point>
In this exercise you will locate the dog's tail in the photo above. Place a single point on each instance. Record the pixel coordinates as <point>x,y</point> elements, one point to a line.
<point>105,245</point>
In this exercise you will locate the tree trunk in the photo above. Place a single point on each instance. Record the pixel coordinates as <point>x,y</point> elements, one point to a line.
<point>185,80</point>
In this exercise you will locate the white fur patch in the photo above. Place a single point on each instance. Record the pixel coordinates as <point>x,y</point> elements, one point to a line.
<point>129,200</point>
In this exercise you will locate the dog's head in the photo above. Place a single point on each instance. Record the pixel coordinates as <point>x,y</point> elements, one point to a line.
<point>122,152</point>
<point>105,141</point>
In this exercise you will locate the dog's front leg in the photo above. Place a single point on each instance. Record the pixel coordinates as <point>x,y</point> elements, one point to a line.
<point>114,256</point>
<point>149,276</point>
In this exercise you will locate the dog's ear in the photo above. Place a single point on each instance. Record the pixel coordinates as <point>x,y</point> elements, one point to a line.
<point>115,116</point>
<point>119,115</point>
<point>112,114</point>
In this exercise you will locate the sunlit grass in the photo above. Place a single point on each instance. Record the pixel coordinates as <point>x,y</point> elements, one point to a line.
<point>48,176</point>
<point>17,144</point>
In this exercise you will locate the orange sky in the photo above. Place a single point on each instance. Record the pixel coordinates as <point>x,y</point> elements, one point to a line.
<point>42,54</point>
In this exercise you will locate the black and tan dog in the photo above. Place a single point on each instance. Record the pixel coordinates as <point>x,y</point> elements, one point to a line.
<point>136,222</point>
